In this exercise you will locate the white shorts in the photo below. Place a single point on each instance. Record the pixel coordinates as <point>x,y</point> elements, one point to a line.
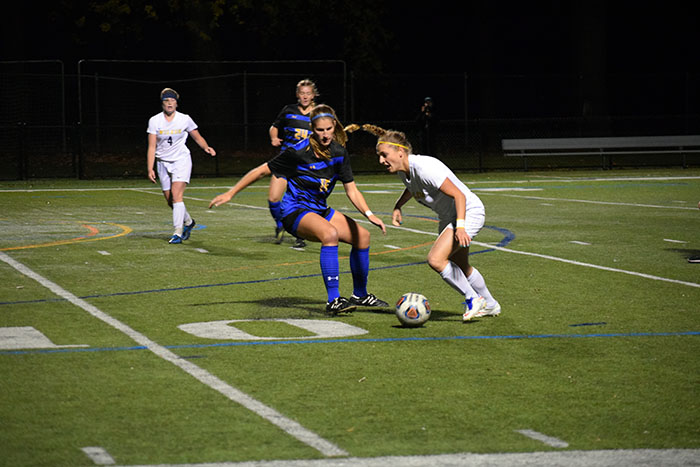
<point>176,171</point>
<point>473,221</point>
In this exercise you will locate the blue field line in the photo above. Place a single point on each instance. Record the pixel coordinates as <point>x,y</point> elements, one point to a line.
<point>358,340</point>
<point>508,237</point>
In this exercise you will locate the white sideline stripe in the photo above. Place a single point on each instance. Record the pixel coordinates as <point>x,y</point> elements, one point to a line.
<point>554,258</point>
<point>588,265</point>
<point>586,201</point>
<point>578,242</point>
<point>98,455</point>
<point>538,255</point>
<point>548,440</point>
<point>674,241</point>
<point>287,425</point>
<point>607,458</point>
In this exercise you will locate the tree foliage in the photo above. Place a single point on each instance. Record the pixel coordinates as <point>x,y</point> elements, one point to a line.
<point>353,31</point>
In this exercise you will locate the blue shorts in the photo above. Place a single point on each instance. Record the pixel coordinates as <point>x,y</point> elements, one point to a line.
<point>291,221</point>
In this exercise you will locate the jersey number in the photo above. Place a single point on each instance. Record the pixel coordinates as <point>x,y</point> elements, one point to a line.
<point>170,140</point>
<point>300,134</point>
<point>323,185</point>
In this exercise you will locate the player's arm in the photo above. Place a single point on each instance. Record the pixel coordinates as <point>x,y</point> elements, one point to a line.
<point>451,190</point>
<point>275,139</point>
<point>199,139</point>
<point>151,157</point>
<point>359,202</point>
<point>248,179</point>
<point>396,217</point>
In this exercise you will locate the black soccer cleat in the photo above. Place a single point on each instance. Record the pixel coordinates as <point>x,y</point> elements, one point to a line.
<point>339,305</point>
<point>367,300</point>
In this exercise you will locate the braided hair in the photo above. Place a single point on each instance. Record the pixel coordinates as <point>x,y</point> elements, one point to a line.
<point>393,137</point>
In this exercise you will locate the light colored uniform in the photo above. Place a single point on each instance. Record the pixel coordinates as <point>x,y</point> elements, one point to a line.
<point>424,179</point>
<point>173,159</point>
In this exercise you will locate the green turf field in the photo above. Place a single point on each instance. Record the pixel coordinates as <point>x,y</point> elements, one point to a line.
<point>218,350</point>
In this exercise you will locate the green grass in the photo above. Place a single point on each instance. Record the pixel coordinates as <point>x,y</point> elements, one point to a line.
<point>602,359</point>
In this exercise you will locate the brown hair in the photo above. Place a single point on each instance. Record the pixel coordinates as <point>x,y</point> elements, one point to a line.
<point>339,133</point>
<point>388,136</point>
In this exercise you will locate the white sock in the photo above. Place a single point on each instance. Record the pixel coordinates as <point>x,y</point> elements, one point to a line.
<point>188,218</point>
<point>179,211</point>
<point>479,285</point>
<point>454,276</point>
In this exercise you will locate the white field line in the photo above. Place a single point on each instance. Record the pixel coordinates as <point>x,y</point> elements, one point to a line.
<point>586,201</point>
<point>98,455</point>
<point>289,426</point>
<point>535,179</point>
<point>548,440</point>
<point>607,458</point>
<point>538,255</point>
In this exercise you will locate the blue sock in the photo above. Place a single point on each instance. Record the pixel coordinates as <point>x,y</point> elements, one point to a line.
<point>359,265</point>
<point>276,211</point>
<point>330,270</point>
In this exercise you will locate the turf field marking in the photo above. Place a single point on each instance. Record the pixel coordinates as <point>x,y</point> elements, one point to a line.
<point>98,455</point>
<point>104,253</point>
<point>90,237</point>
<point>28,337</point>
<point>594,266</point>
<point>674,241</point>
<point>607,203</point>
<point>611,457</point>
<point>299,341</point>
<point>578,242</point>
<point>548,440</point>
<point>555,258</point>
<point>289,426</point>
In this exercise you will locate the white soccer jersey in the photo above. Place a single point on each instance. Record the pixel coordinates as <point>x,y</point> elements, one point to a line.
<point>171,136</point>
<point>426,176</point>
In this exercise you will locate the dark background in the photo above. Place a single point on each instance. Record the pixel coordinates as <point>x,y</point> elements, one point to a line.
<point>79,79</point>
<point>371,36</point>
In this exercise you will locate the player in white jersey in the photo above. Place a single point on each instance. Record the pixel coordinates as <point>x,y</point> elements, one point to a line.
<point>167,151</point>
<point>460,212</point>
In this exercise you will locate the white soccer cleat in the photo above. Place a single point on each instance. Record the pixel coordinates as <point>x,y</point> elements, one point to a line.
<point>472,307</point>
<point>489,311</point>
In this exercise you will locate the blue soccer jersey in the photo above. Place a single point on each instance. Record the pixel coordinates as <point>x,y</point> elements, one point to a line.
<point>310,180</point>
<point>292,125</point>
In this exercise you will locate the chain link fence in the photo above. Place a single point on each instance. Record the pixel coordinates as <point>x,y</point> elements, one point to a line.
<point>92,123</point>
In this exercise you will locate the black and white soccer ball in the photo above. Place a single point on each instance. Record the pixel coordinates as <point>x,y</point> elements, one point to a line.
<point>412,310</point>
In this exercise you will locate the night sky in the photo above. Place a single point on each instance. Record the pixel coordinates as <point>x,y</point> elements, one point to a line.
<point>474,37</point>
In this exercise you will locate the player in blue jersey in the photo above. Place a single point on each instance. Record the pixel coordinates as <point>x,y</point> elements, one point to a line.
<point>312,167</point>
<point>291,126</point>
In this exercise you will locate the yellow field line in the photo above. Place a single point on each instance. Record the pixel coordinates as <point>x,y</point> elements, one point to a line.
<point>91,237</point>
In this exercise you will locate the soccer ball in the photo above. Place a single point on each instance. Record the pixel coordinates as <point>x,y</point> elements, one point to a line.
<point>412,310</point>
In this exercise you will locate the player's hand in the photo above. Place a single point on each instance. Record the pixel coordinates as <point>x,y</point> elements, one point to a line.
<point>152,175</point>
<point>462,238</point>
<point>220,199</point>
<point>276,142</point>
<point>210,150</point>
<point>378,222</point>
<point>396,217</point>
